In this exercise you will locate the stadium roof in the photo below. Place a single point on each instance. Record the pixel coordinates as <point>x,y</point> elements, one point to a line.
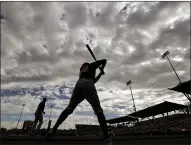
<point>80,125</point>
<point>158,109</point>
<point>121,119</point>
<point>182,87</point>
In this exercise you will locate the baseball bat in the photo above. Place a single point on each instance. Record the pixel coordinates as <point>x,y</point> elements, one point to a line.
<point>91,52</point>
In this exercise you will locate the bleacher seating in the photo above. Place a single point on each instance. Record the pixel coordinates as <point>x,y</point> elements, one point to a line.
<point>172,123</point>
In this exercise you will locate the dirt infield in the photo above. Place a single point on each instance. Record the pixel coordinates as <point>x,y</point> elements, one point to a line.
<point>125,140</point>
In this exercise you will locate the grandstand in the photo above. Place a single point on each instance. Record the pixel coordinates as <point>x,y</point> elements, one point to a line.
<point>164,107</point>
<point>182,87</point>
<point>127,119</point>
<point>166,124</point>
<point>83,129</point>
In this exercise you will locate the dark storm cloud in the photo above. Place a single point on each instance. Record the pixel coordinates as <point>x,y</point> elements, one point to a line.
<point>141,18</point>
<point>33,56</point>
<point>176,35</point>
<point>125,36</point>
<point>76,14</point>
<point>139,55</point>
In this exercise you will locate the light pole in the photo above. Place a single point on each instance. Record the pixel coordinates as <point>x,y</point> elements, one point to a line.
<point>166,55</point>
<point>12,125</point>
<point>129,83</point>
<point>20,114</point>
<point>49,121</point>
<point>44,123</point>
<point>50,112</point>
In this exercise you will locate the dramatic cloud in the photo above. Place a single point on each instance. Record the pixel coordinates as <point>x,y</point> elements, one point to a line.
<point>43,47</point>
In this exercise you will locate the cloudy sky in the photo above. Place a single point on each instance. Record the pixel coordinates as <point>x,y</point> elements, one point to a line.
<point>43,46</point>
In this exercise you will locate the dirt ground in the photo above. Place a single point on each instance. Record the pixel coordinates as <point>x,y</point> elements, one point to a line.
<point>125,140</point>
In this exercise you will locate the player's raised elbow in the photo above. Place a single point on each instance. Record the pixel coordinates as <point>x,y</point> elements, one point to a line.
<point>104,61</point>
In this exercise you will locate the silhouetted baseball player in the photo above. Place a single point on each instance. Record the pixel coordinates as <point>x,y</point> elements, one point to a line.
<point>39,116</point>
<point>85,89</point>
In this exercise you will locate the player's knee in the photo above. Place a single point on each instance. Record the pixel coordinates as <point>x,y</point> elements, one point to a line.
<point>98,112</point>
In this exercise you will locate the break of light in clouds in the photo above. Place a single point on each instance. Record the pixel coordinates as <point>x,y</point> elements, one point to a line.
<point>43,46</point>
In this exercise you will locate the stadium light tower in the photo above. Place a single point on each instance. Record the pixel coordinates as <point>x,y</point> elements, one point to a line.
<point>129,84</point>
<point>44,123</point>
<point>20,114</point>
<point>49,121</point>
<point>50,112</point>
<point>166,55</point>
<point>12,125</point>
